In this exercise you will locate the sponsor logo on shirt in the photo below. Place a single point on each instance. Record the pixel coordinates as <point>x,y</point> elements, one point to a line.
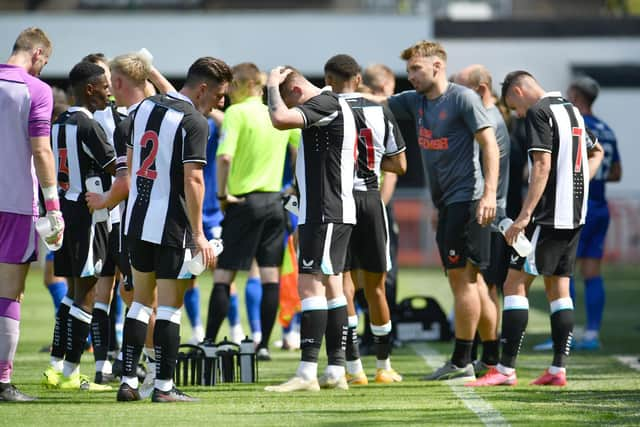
<point>427,142</point>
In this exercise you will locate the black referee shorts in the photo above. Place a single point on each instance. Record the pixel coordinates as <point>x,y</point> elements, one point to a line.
<point>461,238</point>
<point>554,251</point>
<point>254,228</point>
<point>84,244</point>
<point>369,245</point>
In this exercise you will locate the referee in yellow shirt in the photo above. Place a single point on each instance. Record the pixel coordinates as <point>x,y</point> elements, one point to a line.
<point>250,162</point>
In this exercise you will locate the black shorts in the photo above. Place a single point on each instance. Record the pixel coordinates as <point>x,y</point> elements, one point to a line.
<point>461,238</point>
<point>84,244</point>
<point>496,272</point>
<point>254,228</point>
<point>369,246</point>
<point>167,262</point>
<point>554,252</point>
<point>113,252</point>
<point>323,248</point>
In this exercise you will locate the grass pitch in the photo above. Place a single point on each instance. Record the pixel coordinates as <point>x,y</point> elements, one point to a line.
<point>601,390</point>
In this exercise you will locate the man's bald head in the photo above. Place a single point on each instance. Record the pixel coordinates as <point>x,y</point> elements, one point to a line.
<point>473,76</point>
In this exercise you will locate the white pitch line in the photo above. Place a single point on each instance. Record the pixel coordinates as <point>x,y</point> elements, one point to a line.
<point>489,415</point>
<point>631,361</point>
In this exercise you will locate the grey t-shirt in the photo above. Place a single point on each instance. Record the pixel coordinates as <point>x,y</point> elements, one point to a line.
<point>445,128</point>
<point>504,146</point>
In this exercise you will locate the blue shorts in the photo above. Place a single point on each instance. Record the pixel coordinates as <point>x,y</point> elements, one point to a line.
<point>594,232</point>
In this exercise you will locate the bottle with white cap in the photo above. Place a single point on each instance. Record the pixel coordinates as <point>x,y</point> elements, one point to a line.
<point>94,185</point>
<point>196,266</point>
<point>522,245</point>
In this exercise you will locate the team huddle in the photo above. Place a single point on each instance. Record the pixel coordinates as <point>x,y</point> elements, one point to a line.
<point>132,189</point>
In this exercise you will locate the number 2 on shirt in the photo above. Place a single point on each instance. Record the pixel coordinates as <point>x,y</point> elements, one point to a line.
<point>149,137</point>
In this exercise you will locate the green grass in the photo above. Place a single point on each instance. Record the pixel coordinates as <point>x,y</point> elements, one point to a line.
<point>601,391</point>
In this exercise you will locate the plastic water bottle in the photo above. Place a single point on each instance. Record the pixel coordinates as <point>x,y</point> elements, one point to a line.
<point>522,245</point>
<point>196,267</point>
<point>247,361</point>
<point>44,229</point>
<point>292,205</point>
<point>94,185</point>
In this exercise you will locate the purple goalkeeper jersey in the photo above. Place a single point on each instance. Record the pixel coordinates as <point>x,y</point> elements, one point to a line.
<point>26,104</point>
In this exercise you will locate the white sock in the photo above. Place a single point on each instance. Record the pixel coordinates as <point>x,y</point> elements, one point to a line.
<point>257,337</point>
<point>334,371</point>
<point>198,333</point>
<point>69,369</point>
<point>163,385</point>
<point>555,370</point>
<point>56,363</point>
<point>130,381</point>
<point>504,370</point>
<point>384,364</point>
<point>590,335</point>
<point>149,352</point>
<point>307,370</point>
<point>103,366</point>
<point>354,366</point>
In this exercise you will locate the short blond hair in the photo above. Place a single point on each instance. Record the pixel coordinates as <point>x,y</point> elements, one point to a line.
<point>31,38</point>
<point>426,49</point>
<point>132,66</point>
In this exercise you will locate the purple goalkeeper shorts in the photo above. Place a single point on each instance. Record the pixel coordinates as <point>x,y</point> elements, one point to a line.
<point>18,238</point>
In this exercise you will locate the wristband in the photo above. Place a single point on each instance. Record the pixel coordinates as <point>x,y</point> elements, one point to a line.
<point>51,201</point>
<point>223,197</point>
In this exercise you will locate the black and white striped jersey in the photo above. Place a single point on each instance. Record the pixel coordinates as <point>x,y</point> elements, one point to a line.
<point>325,164</point>
<point>555,126</point>
<point>378,136</point>
<point>81,149</point>
<point>166,132</point>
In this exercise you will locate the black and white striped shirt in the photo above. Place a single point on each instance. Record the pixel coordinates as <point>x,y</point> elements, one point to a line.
<point>81,149</point>
<point>555,126</point>
<point>326,161</point>
<point>167,131</point>
<point>378,136</point>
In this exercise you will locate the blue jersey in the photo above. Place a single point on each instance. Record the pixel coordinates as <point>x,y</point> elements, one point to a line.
<point>211,213</point>
<point>608,141</point>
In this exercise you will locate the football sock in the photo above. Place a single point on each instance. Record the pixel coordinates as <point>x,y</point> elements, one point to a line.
<point>268,310</point>
<point>491,352</point>
<point>9,334</point>
<point>218,308</point>
<point>312,327</point>
<point>233,315</point>
<point>353,349</point>
<point>561,330</point>
<point>336,331</point>
<point>59,342</point>
<point>461,352</point>
<point>166,339</point>
<point>515,316</point>
<point>252,298</point>
<point>100,333</point>
<point>135,332</point>
<point>474,348</point>
<point>78,327</point>
<point>382,340</point>
<point>57,290</point>
<point>192,306</point>
<point>594,302</point>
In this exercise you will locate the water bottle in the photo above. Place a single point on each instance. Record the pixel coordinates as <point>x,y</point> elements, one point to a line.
<point>94,185</point>
<point>44,229</point>
<point>292,205</point>
<point>196,267</point>
<point>247,361</point>
<point>522,245</point>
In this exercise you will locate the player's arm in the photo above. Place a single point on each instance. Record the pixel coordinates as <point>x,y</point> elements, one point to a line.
<point>486,138</point>
<point>194,197</point>
<point>159,81</point>
<point>595,156</point>
<point>388,186</point>
<point>396,163</point>
<point>380,99</point>
<point>118,192</point>
<point>615,173</point>
<point>281,117</point>
<point>395,159</point>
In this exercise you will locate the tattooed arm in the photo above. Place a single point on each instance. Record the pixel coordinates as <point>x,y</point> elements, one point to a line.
<point>282,117</point>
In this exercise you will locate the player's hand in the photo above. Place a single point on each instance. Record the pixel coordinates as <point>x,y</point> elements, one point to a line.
<point>203,246</point>
<point>57,227</point>
<point>277,76</point>
<point>230,200</point>
<point>518,226</point>
<point>486,211</point>
<point>95,201</point>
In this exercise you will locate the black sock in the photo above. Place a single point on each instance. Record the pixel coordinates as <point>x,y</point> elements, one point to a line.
<point>218,308</point>
<point>462,353</point>
<point>113,342</point>
<point>78,327</point>
<point>336,335</point>
<point>383,346</point>
<point>59,343</point>
<point>474,348</point>
<point>100,331</point>
<point>562,335</point>
<point>135,332</point>
<point>353,347</point>
<point>491,352</point>
<point>514,323</point>
<point>166,339</point>
<point>268,310</point>
<point>312,327</point>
